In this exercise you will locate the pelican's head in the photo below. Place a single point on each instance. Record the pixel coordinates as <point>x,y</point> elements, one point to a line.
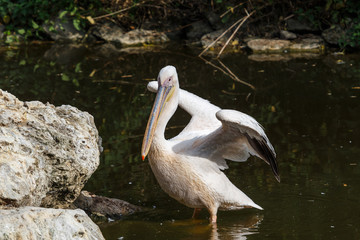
<point>167,85</point>
<point>167,76</point>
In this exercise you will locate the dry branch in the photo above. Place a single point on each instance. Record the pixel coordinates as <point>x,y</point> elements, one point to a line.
<point>227,72</point>
<point>117,12</point>
<point>233,34</point>
<point>231,9</point>
<point>240,22</point>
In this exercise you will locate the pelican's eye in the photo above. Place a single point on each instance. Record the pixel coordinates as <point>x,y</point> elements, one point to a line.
<point>170,78</point>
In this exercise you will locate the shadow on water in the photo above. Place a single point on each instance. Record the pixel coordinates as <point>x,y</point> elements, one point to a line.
<point>309,107</point>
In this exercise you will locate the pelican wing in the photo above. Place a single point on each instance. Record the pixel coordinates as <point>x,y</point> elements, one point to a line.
<point>239,137</point>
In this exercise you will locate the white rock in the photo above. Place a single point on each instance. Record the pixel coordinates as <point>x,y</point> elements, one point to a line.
<point>140,36</point>
<point>276,45</point>
<point>263,45</point>
<point>47,153</point>
<point>287,35</point>
<point>45,223</point>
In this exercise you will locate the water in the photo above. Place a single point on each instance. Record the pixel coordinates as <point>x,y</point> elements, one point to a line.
<point>309,107</point>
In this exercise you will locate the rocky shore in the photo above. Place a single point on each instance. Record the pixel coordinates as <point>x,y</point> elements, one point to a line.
<point>292,36</point>
<point>47,154</point>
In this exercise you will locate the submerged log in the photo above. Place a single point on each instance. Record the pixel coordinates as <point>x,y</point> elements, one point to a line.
<point>103,206</point>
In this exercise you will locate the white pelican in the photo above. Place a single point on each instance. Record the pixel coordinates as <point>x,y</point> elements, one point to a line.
<point>188,166</point>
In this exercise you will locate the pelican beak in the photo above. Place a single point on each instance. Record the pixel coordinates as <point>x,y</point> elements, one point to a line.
<point>163,95</point>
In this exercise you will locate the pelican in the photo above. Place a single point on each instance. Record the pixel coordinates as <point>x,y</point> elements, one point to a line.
<point>189,166</point>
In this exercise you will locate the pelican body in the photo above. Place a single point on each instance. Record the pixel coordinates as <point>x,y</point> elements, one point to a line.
<point>189,166</point>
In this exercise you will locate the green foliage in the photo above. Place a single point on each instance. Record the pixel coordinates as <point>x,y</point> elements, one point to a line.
<point>310,15</point>
<point>26,18</point>
<point>352,36</point>
<point>351,21</point>
<point>334,12</point>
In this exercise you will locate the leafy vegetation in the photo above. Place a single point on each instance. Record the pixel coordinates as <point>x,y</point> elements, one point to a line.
<point>345,14</point>
<point>26,19</point>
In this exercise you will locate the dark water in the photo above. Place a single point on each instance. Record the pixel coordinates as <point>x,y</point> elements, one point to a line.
<point>309,106</point>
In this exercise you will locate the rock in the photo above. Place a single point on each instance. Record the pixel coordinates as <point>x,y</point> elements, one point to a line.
<point>214,20</point>
<point>274,45</point>
<point>307,44</point>
<point>170,28</point>
<point>140,36</point>
<point>63,30</point>
<point>333,35</point>
<point>294,25</point>
<point>107,31</point>
<point>12,38</point>
<point>103,206</point>
<point>47,153</point>
<point>173,31</point>
<point>198,29</point>
<point>44,223</point>
<point>287,35</point>
<point>209,38</point>
<point>268,45</point>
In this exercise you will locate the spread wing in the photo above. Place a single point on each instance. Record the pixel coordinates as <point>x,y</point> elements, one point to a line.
<point>239,137</point>
<point>218,134</point>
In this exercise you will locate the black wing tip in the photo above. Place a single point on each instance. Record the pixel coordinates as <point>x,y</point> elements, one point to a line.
<point>265,153</point>
<point>273,165</point>
<point>274,168</point>
<point>277,177</point>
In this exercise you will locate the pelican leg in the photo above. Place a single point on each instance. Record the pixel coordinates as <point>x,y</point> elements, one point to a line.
<point>213,215</point>
<point>213,219</point>
<point>196,213</point>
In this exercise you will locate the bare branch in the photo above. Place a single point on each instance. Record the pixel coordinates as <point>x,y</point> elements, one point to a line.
<point>117,12</point>
<point>240,22</point>
<point>233,34</point>
<point>227,72</point>
<point>234,76</point>
<point>231,9</point>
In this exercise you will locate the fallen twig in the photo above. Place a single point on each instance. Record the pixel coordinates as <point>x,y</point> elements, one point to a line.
<point>117,12</point>
<point>233,34</point>
<point>231,9</point>
<point>288,17</point>
<point>240,22</point>
<point>217,39</point>
<point>227,72</point>
<point>235,77</point>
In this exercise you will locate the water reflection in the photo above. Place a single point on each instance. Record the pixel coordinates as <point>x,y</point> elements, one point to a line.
<point>239,228</point>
